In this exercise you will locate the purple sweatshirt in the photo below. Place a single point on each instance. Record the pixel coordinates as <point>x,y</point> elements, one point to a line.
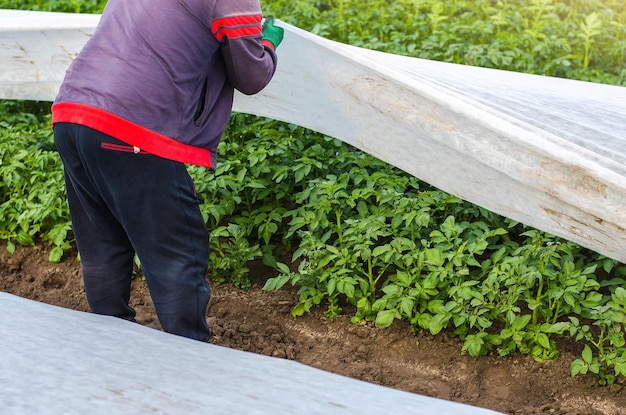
<point>160,74</point>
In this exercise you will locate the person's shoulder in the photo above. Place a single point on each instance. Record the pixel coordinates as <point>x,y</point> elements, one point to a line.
<point>225,8</point>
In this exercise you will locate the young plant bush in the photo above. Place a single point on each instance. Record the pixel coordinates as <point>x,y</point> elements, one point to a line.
<point>604,354</point>
<point>32,203</point>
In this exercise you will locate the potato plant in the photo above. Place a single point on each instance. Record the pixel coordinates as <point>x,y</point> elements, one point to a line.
<point>356,235</point>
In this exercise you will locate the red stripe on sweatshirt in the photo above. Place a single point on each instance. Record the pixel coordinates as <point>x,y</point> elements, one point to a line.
<point>237,26</point>
<point>130,133</point>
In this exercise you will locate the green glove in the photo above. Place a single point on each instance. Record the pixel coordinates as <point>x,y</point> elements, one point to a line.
<point>271,33</point>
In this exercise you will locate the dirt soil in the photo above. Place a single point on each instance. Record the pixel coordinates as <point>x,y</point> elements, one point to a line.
<point>260,322</point>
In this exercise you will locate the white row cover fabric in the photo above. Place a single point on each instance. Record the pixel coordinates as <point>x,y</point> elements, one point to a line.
<point>36,49</point>
<point>58,361</point>
<point>544,151</point>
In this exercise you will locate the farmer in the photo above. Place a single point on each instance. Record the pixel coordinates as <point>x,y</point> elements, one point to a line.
<point>151,91</point>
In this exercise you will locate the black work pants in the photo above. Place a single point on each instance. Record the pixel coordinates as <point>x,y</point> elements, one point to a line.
<point>123,201</point>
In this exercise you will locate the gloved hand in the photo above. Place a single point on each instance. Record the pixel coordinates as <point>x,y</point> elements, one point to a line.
<point>271,33</point>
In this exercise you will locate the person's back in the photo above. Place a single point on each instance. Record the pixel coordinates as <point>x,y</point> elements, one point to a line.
<point>170,66</point>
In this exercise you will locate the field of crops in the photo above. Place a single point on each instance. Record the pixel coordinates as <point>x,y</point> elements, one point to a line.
<point>353,233</point>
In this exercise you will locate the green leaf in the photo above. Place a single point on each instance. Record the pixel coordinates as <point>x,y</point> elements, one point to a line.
<point>474,345</point>
<point>520,322</point>
<point>544,341</point>
<point>298,310</point>
<point>364,305</point>
<point>592,299</point>
<point>578,366</point>
<point>378,305</point>
<point>405,278</point>
<point>385,318</point>
<point>58,233</point>
<point>620,367</point>
<point>283,268</point>
<point>275,283</point>
<point>559,328</point>
<point>348,290</point>
<point>269,260</point>
<point>438,323</point>
<point>620,295</point>
<point>379,250</point>
<point>330,287</point>
<point>406,305</point>
<point>25,239</point>
<point>506,333</point>
<point>587,354</point>
<point>392,290</point>
<point>55,255</point>
<point>434,257</point>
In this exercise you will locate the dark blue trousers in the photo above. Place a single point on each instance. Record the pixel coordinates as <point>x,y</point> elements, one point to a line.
<point>123,201</point>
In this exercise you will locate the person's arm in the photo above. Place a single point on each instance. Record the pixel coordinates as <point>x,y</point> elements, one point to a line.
<point>250,59</point>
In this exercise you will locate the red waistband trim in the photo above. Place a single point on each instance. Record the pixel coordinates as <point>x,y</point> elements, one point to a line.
<point>130,133</point>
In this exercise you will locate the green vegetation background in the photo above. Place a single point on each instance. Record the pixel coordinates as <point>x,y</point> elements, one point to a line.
<point>356,235</point>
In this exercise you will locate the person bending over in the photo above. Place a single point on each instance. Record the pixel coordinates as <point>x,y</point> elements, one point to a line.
<point>151,91</point>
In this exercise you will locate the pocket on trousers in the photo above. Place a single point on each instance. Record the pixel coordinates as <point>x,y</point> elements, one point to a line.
<point>122,148</point>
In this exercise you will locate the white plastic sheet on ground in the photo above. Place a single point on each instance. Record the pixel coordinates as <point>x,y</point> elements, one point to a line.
<point>58,361</point>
